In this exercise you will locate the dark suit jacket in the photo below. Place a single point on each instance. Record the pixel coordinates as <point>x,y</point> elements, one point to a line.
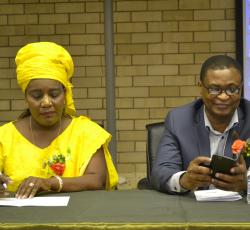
<point>185,137</point>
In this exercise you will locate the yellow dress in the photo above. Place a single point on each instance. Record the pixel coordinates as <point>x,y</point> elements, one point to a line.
<point>19,158</point>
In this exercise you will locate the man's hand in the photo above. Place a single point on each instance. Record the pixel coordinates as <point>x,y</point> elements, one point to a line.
<point>236,181</point>
<point>196,175</point>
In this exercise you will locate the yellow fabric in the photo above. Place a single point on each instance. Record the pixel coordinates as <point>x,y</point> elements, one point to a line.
<point>20,159</point>
<point>46,60</point>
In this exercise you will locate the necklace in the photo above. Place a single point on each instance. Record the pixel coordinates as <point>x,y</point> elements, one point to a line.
<point>32,133</point>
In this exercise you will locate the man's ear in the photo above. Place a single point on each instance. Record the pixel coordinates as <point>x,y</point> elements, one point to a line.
<point>199,83</point>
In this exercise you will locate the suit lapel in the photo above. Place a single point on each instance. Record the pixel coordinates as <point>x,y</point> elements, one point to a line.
<point>202,134</point>
<point>231,138</point>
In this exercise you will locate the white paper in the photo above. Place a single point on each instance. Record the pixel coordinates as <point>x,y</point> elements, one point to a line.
<point>216,195</point>
<point>36,201</point>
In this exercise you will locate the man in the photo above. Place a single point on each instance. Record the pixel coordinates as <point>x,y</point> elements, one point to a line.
<point>207,126</point>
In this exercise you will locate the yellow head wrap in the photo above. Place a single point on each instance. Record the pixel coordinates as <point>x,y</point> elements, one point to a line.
<point>46,60</point>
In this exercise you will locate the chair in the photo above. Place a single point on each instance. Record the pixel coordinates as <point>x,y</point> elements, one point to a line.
<point>154,133</point>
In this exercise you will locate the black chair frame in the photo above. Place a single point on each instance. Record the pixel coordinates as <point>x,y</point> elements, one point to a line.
<point>154,133</point>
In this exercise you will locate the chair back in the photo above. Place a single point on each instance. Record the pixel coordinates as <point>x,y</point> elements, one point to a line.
<point>154,132</point>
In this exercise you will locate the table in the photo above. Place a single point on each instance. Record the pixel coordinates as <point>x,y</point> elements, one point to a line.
<point>129,209</point>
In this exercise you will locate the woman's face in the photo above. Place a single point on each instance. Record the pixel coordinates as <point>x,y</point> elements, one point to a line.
<point>45,99</point>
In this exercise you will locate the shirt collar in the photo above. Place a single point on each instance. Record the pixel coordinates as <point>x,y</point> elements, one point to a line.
<point>234,121</point>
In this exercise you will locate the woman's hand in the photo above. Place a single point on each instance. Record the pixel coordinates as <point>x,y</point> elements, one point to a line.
<point>4,180</point>
<point>31,186</point>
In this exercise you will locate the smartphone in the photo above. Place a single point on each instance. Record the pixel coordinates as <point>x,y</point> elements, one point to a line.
<point>222,164</point>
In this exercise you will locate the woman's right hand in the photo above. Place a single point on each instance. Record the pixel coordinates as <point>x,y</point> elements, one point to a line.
<point>4,180</point>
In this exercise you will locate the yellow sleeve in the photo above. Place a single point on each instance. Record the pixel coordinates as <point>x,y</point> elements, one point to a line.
<point>97,137</point>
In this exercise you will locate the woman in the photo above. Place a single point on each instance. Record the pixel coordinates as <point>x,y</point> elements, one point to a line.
<point>47,148</point>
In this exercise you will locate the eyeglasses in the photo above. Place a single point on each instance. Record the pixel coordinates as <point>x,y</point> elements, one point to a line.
<point>215,90</point>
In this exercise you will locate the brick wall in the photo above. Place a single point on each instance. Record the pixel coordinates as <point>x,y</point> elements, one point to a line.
<point>159,46</point>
